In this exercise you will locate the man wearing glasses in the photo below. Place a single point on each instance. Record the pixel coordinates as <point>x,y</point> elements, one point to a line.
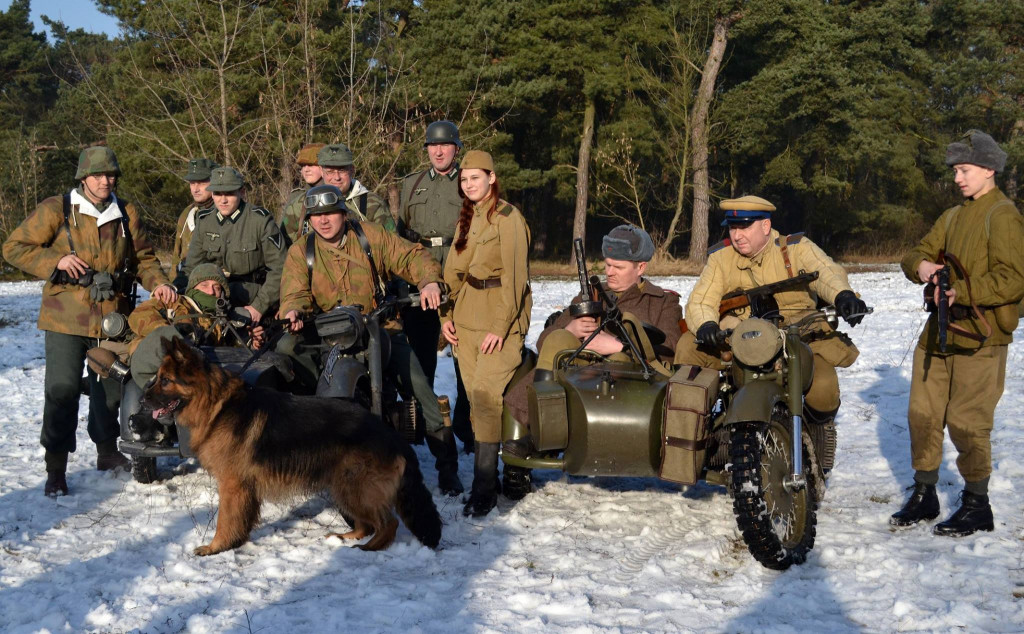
<point>336,163</point>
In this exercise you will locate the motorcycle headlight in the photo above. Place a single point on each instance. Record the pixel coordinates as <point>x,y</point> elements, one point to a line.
<point>755,342</point>
<point>343,327</point>
<point>114,326</point>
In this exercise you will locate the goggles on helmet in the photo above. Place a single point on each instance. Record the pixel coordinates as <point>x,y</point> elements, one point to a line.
<point>322,199</point>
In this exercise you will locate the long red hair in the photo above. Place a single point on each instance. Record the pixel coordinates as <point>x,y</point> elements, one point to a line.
<point>466,213</point>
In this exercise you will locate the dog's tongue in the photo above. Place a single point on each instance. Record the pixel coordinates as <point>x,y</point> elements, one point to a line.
<point>165,411</point>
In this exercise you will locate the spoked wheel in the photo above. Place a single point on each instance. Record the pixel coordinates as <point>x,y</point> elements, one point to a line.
<point>778,523</point>
<point>143,469</point>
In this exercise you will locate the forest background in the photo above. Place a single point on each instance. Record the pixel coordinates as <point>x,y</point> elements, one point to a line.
<point>597,112</point>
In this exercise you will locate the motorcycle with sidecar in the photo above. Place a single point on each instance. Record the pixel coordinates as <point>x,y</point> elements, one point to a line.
<point>355,348</point>
<point>742,427</point>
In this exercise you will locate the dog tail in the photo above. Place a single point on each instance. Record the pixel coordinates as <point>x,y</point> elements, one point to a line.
<point>415,504</point>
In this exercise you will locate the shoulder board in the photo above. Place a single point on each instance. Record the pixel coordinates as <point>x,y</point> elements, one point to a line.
<point>791,239</point>
<point>204,213</point>
<point>413,174</point>
<point>721,245</point>
<point>506,209</point>
<point>261,211</point>
<point>298,189</point>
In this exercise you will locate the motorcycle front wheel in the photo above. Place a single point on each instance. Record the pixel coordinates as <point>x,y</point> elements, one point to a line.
<point>777,523</point>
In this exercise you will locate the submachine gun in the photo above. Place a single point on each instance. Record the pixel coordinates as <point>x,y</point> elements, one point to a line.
<point>762,298</point>
<point>591,305</point>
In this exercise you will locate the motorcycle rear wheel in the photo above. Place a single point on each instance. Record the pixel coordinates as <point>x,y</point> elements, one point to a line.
<point>143,469</point>
<point>778,525</point>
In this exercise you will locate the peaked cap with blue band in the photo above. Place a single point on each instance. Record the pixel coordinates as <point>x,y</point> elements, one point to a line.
<point>746,209</point>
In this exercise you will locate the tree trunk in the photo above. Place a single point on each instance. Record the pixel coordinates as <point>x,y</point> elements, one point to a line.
<point>699,127</point>
<point>680,200</point>
<point>579,224</point>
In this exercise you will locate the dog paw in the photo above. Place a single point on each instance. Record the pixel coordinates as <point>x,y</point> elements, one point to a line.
<point>203,551</point>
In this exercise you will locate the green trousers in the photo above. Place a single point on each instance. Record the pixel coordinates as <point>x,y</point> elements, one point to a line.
<point>958,392</point>
<point>65,358</point>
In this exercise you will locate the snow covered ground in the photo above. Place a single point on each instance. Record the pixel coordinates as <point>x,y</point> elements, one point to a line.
<point>577,555</point>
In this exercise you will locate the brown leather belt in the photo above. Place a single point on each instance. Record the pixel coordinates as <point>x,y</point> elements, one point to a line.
<point>436,241</point>
<point>479,284</point>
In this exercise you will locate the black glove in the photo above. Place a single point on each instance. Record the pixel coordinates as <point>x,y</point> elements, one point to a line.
<point>102,288</point>
<point>851,308</point>
<point>710,335</point>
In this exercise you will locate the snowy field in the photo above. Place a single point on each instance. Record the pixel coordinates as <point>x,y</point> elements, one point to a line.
<point>577,555</point>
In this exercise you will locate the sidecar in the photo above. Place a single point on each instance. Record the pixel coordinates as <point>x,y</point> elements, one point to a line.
<point>591,416</point>
<point>169,439</point>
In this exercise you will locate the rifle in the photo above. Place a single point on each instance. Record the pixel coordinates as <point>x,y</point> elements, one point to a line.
<point>942,307</point>
<point>591,306</point>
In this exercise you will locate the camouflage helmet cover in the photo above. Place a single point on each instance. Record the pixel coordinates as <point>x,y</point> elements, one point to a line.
<point>443,131</point>
<point>98,159</point>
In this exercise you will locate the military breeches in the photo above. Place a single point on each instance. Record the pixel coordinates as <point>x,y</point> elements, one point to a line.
<point>958,391</point>
<point>486,376</point>
<point>65,356</point>
<point>823,394</point>
<point>404,367</point>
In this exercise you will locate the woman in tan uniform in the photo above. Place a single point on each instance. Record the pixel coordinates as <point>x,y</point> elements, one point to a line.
<point>489,279</point>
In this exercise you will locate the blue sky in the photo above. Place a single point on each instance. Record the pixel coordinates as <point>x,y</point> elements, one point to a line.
<point>77,14</point>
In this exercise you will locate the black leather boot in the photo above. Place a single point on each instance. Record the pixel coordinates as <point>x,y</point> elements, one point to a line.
<point>442,445</point>
<point>484,495</point>
<point>56,473</point>
<point>108,457</point>
<point>922,505</point>
<point>974,514</point>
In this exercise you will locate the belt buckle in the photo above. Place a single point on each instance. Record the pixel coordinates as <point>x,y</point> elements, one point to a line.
<point>436,241</point>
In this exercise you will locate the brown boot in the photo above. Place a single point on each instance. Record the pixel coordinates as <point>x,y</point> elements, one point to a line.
<point>108,457</point>
<point>56,469</point>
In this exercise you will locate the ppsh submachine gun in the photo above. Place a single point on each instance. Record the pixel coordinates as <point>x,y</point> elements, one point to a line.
<point>591,304</point>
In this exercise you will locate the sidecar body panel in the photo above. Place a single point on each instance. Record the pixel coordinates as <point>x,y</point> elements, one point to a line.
<point>615,418</point>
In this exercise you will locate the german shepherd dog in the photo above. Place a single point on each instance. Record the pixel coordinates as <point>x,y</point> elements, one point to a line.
<point>261,444</point>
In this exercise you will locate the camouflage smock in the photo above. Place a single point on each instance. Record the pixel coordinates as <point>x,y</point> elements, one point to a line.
<point>341,275</point>
<point>40,241</point>
<point>153,313</point>
<point>495,248</point>
<point>987,236</point>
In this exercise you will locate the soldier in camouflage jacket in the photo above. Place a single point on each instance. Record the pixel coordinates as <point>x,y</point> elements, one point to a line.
<point>91,247</point>
<point>340,275</point>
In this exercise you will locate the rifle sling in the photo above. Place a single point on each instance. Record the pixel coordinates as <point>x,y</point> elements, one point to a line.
<point>378,293</point>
